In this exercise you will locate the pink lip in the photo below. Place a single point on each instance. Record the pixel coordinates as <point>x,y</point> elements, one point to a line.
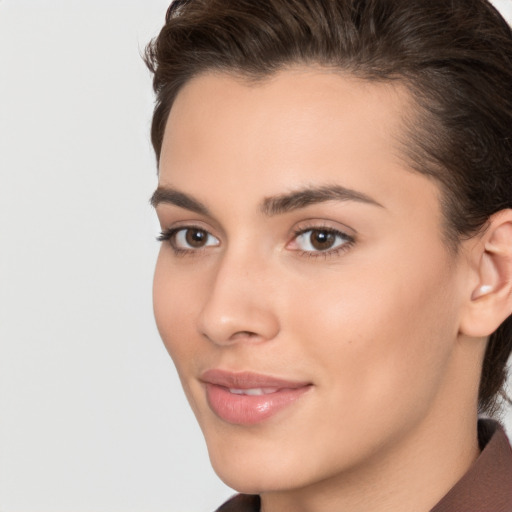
<point>244,409</point>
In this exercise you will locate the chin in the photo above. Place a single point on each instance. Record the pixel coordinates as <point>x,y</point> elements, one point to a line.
<point>251,479</point>
<point>251,463</point>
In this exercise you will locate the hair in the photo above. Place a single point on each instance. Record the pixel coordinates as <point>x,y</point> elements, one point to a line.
<point>455,58</point>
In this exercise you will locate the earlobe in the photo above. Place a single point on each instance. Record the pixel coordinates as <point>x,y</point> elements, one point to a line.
<point>489,276</point>
<point>481,291</point>
<point>491,299</point>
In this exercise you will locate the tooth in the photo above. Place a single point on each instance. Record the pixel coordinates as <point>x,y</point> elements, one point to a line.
<point>253,391</point>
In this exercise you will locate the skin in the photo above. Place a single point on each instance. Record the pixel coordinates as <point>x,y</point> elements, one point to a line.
<point>376,326</point>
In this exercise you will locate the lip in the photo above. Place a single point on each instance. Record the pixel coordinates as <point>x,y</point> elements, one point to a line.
<point>227,395</point>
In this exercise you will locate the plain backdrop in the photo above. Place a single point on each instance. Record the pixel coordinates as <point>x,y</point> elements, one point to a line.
<point>92,416</point>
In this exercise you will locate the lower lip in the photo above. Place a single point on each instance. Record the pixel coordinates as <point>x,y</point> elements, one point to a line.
<point>250,409</point>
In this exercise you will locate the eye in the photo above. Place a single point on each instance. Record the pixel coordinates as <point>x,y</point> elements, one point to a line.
<point>189,238</point>
<point>193,238</point>
<point>320,240</point>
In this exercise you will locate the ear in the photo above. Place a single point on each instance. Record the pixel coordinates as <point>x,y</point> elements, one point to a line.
<point>490,301</point>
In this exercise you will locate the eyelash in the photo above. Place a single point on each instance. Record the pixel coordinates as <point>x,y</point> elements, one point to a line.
<point>349,241</point>
<point>168,235</point>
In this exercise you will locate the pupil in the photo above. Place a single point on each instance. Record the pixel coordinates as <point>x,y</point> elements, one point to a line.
<point>195,237</point>
<point>322,240</point>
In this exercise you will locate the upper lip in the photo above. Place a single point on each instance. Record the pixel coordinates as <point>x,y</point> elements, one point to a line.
<point>248,380</point>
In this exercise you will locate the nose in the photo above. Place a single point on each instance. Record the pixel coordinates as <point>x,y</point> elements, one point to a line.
<point>239,306</point>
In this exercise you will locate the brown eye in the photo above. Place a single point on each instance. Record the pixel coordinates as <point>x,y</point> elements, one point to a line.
<point>193,238</point>
<point>196,237</point>
<point>321,240</point>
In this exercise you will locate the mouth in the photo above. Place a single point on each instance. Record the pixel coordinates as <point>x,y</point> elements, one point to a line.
<point>247,398</point>
<point>253,391</point>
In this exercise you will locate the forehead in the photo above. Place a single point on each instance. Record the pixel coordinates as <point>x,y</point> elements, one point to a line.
<point>289,108</point>
<point>302,126</point>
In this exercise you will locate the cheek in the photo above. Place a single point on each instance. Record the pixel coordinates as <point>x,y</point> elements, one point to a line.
<point>177,298</point>
<point>381,333</point>
<point>175,301</point>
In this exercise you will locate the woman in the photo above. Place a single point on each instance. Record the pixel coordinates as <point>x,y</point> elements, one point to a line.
<point>335,278</point>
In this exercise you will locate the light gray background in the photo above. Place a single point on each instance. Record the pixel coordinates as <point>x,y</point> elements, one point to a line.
<point>92,417</point>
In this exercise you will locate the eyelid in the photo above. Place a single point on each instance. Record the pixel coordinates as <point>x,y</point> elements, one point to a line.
<point>345,233</point>
<point>323,224</point>
<point>170,216</point>
<point>168,235</point>
<point>335,232</point>
<point>168,224</point>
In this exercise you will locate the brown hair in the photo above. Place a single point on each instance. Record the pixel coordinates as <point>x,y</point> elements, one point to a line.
<point>454,56</point>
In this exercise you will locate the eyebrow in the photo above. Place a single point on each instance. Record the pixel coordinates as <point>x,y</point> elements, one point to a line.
<point>172,196</point>
<point>274,205</point>
<point>313,195</point>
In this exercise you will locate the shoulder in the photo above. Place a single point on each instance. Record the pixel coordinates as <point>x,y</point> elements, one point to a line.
<point>241,503</point>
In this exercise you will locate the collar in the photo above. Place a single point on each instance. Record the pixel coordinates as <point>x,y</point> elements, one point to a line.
<point>487,485</point>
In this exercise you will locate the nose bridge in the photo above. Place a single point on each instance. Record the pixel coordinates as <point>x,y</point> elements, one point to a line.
<point>239,305</point>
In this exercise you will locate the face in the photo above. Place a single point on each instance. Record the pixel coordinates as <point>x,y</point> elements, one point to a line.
<point>303,288</point>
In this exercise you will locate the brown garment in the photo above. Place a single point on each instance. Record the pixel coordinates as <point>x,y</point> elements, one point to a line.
<point>486,487</point>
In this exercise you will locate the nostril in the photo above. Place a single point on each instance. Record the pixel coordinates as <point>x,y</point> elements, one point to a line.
<point>244,334</point>
<point>238,336</point>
